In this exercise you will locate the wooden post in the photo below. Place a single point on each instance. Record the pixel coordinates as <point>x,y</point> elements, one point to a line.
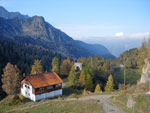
<point>124,77</point>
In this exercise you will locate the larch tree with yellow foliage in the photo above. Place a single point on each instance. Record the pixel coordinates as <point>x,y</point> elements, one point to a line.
<point>84,91</point>
<point>110,84</point>
<point>82,77</point>
<point>37,67</point>
<point>97,89</point>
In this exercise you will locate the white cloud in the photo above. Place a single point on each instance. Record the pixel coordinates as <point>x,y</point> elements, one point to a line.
<point>120,34</point>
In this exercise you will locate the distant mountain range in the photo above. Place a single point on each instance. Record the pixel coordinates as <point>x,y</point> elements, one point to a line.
<point>14,26</point>
<point>117,45</point>
<point>96,49</point>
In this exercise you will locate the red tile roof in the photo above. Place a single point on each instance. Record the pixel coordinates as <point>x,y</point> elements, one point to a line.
<point>43,80</point>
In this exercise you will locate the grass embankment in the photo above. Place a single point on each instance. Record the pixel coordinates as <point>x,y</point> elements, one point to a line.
<point>52,106</point>
<point>12,102</point>
<point>138,94</point>
<point>57,105</point>
<point>64,107</point>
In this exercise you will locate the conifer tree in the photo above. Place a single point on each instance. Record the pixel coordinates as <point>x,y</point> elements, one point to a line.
<point>72,78</point>
<point>65,67</point>
<point>84,92</point>
<point>89,82</point>
<point>37,67</point>
<point>55,65</point>
<point>110,84</point>
<point>86,69</point>
<point>11,79</point>
<point>148,49</point>
<point>82,76</point>
<point>97,89</point>
<point>142,54</point>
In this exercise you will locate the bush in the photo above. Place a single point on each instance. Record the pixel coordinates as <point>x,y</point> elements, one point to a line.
<point>73,96</point>
<point>16,97</point>
<point>21,97</point>
<point>84,92</point>
<point>97,89</point>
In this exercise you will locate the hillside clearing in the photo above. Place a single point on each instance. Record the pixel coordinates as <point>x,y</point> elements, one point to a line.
<point>61,107</point>
<point>138,95</point>
<point>86,104</point>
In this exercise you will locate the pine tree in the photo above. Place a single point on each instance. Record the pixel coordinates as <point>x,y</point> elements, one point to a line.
<point>37,67</point>
<point>84,92</point>
<point>97,89</point>
<point>109,85</point>
<point>89,82</point>
<point>148,49</point>
<point>72,77</point>
<point>55,65</point>
<point>86,69</point>
<point>82,76</point>
<point>65,67</point>
<point>142,54</point>
<point>11,79</point>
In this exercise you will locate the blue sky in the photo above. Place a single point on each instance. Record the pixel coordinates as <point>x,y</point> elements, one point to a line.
<point>90,18</point>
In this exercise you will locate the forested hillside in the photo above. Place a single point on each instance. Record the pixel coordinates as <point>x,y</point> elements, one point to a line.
<point>24,40</point>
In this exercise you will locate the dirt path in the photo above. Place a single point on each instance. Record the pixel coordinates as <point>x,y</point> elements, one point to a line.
<point>109,107</point>
<point>103,100</point>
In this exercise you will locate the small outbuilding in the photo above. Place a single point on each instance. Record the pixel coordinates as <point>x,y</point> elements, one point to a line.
<point>41,86</point>
<point>78,66</point>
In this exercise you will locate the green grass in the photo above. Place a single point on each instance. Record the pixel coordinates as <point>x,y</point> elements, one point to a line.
<point>68,91</point>
<point>138,95</point>
<point>64,107</point>
<point>10,103</point>
<point>132,76</point>
<point>57,105</point>
<point>141,106</point>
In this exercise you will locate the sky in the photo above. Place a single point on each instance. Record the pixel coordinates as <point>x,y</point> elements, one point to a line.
<point>82,19</point>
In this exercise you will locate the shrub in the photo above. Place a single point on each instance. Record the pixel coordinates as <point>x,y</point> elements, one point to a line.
<point>73,95</point>
<point>97,89</point>
<point>21,97</point>
<point>84,92</point>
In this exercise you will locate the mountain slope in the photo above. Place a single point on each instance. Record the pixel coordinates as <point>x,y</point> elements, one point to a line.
<point>96,49</point>
<point>37,28</point>
<point>9,15</point>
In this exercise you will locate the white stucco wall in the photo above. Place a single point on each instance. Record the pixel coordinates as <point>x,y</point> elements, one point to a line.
<point>28,93</point>
<point>49,95</point>
<point>78,65</point>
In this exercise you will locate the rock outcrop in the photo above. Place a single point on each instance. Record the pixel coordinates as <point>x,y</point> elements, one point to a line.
<point>131,103</point>
<point>145,77</point>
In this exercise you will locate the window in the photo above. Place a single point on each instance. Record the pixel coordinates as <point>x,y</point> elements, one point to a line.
<point>41,88</point>
<point>58,85</point>
<point>27,86</point>
<point>49,87</point>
